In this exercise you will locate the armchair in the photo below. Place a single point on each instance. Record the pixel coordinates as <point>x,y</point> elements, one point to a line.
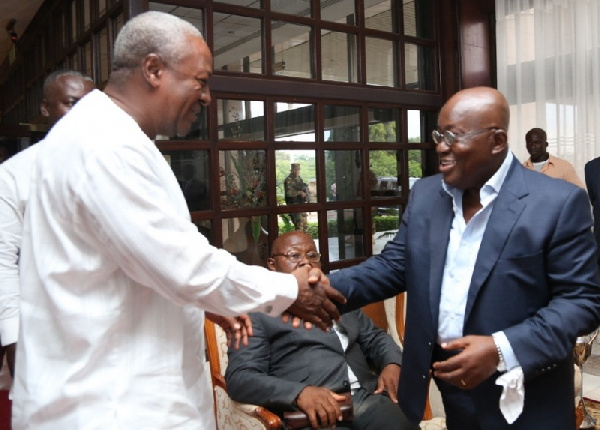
<point>231,415</point>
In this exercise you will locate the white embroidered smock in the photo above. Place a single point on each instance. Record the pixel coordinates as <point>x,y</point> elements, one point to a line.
<point>114,277</point>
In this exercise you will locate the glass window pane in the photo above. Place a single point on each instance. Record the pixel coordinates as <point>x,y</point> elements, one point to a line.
<point>386,222</point>
<point>345,234</point>
<point>296,7</point>
<point>338,56</point>
<point>192,170</point>
<point>342,174</point>
<point>198,130</point>
<point>241,119</point>
<point>309,224</point>
<point>246,3</point>
<point>291,50</point>
<point>118,23</point>
<point>383,124</point>
<point>64,37</point>
<point>87,57</point>
<point>103,54</point>
<point>341,11</point>
<point>420,125</point>
<point>294,122</point>
<point>86,15</point>
<point>247,239</point>
<point>378,15</point>
<point>296,177</point>
<point>418,18</point>
<point>101,8</point>
<point>194,16</point>
<point>237,43</point>
<point>417,164</point>
<point>381,62</point>
<point>74,61</point>
<point>74,33</point>
<point>243,178</point>
<point>384,173</point>
<point>205,227</point>
<point>342,124</point>
<point>419,67</point>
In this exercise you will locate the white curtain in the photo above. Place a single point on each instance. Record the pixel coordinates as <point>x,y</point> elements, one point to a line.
<point>549,69</point>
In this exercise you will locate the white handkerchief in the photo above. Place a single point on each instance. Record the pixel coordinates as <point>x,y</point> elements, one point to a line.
<point>513,394</point>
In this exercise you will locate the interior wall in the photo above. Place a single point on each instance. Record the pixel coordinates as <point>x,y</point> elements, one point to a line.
<point>477,47</point>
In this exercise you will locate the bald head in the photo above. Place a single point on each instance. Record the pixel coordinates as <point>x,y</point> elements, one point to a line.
<point>480,107</point>
<point>292,246</point>
<point>478,118</point>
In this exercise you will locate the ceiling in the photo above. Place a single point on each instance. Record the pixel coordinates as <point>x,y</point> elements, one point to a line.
<point>21,10</point>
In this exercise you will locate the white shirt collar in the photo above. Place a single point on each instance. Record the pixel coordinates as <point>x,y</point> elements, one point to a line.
<point>492,185</point>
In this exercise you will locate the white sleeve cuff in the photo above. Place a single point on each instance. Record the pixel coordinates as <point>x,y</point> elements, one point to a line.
<point>507,352</point>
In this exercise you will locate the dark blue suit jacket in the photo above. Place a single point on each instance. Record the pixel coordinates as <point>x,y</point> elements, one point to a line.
<point>281,360</point>
<point>592,182</point>
<point>535,278</point>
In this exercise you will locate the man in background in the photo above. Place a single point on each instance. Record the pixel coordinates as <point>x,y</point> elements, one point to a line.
<point>500,272</point>
<point>61,90</point>
<point>285,368</point>
<point>115,278</point>
<point>541,161</point>
<point>296,192</point>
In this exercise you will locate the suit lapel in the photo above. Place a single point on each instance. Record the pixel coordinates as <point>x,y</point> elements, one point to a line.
<point>506,211</point>
<point>350,326</point>
<point>439,235</point>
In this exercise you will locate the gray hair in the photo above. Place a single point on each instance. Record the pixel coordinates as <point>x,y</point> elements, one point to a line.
<point>56,75</point>
<point>152,33</point>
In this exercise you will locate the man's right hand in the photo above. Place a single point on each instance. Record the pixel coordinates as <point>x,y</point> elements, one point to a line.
<point>320,406</point>
<point>314,302</point>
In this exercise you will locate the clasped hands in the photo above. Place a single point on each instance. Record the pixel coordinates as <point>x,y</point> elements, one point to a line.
<point>322,407</point>
<point>476,361</point>
<point>314,303</point>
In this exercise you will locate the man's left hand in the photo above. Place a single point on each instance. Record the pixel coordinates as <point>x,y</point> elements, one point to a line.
<point>388,381</point>
<point>236,329</point>
<point>476,362</point>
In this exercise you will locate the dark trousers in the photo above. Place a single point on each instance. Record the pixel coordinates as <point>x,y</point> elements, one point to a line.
<point>375,412</point>
<point>459,407</point>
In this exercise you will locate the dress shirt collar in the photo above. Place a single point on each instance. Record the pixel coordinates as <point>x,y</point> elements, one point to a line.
<point>492,186</point>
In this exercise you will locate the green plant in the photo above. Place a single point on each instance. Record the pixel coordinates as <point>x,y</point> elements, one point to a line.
<point>385,222</point>
<point>244,185</point>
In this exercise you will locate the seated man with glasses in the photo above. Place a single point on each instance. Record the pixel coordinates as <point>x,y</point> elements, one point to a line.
<point>285,368</point>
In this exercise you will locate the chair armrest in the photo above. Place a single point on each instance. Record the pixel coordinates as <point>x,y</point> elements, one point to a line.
<point>298,419</point>
<point>268,418</point>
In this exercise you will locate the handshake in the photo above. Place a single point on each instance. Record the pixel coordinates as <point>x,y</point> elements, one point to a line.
<point>314,303</point>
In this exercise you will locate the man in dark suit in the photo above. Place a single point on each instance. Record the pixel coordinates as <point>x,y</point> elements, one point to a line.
<point>592,182</point>
<point>286,368</point>
<point>499,268</point>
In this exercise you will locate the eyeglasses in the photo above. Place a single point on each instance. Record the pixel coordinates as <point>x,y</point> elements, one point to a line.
<point>450,138</point>
<point>296,257</point>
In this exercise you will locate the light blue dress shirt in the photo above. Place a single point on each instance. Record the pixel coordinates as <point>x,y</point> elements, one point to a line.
<point>461,255</point>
